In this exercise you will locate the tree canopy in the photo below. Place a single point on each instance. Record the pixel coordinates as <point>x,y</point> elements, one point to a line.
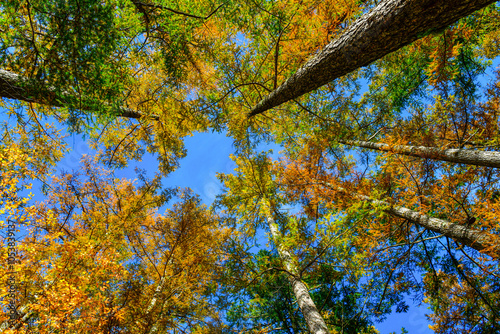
<point>386,189</point>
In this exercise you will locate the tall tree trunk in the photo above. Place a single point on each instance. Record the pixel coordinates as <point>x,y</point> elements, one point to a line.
<point>476,239</point>
<point>388,27</point>
<point>14,86</point>
<point>469,157</point>
<point>314,320</point>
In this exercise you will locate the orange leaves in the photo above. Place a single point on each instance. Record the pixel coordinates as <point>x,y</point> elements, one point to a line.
<point>180,253</point>
<point>444,51</point>
<point>14,171</point>
<point>313,25</point>
<point>303,175</point>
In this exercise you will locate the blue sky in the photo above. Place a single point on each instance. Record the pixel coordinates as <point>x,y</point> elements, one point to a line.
<point>207,154</point>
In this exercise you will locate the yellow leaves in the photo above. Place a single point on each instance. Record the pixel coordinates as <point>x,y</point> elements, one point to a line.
<point>14,170</point>
<point>491,44</point>
<point>451,297</point>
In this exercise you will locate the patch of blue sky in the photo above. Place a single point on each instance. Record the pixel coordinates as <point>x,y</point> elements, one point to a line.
<point>207,155</point>
<point>241,40</point>
<point>10,50</point>
<point>489,76</point>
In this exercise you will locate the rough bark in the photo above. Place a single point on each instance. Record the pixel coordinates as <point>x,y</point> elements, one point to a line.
<point>14,86</point>
<point>389,26</point>
<point>473,238</point>
<point>314,320</point>
<point>469,157</point>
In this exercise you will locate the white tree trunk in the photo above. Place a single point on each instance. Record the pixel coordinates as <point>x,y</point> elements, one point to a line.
<point>468,157</point>
<point>388,27</point>
<point>14,86</point>
<point>314,320</point>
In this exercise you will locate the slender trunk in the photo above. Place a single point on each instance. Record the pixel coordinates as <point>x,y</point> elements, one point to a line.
<point>476,239</point>
<point>468,157</point>
<point>314,320</point>
<point>152,304</point>
<point>23,316</point>
<point>156,294</point>
<point>389,26</point>
<point>14,86</point>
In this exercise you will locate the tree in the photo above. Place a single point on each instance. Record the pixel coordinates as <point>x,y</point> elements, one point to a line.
<point>119,60</point>
<point>478,158</point>
<point>268,302</point>
<point>470,237</point>
<point>99,251</point>
<point>256,172</point>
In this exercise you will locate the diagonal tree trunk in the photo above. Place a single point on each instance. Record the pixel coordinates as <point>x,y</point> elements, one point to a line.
<point>468,157</point>
<point>388,27</point>
<point>23,316</point>
<point>315,321</point>
<point>14,86</point>
<point>473,238</point>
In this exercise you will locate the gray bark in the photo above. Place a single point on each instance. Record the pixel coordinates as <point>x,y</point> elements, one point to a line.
<point>314,320</point>
<point>469,157</point>
<point>14,86</point>
<point>475,239</point>
<point>388,27</point>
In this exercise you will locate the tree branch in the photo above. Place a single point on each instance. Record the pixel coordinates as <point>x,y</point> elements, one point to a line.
<point>14,86</point>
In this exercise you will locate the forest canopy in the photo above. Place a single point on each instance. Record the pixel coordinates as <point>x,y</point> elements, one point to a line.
<point>385,192</point>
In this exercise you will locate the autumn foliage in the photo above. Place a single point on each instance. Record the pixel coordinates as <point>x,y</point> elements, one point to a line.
<point>366,208</point>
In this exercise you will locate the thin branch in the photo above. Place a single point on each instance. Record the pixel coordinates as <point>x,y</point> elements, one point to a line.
<point>413,242</point>
<point>178,11</point>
